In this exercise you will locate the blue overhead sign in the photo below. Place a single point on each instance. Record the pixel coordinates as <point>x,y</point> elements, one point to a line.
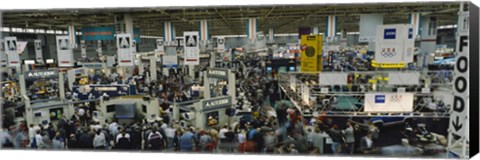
<point>390,33</point>
<point>98,33</point>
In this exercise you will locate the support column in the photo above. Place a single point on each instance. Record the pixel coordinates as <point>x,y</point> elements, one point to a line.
<point>251,29</point>
<point>204,33</point>
<point>169,33</point>
<point>231,86</point>
<point>271,35</point>
<point>72,36</point>
<point>153,69</point>
<point>428,34</point>
<point>315,31</point>
<point>206,86</point>
<point>331,28</point>
<point>191,71</point>
<point>61,86</point>
<point>368,29</point>
<point>415,21</point>
<point>128,24</point>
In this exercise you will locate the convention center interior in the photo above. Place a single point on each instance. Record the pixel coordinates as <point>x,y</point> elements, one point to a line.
<point>316,80</point>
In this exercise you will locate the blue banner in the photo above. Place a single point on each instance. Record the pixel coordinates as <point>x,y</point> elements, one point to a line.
<point>136,35</point>
<point>390,33</point>
<point>380,99</point>
<point>98,33</point>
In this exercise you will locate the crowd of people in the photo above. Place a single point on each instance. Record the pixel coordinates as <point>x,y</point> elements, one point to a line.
<point>275,126</point>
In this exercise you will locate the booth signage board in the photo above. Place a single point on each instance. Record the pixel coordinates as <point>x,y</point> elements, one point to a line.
<point>220,44</point>
<point>83,49</point>
<point>388,102</point>
<point>13,58</point>
<point>324,90</point>
<point>98,33</point>
<point>35,74</point>
<point>91,65</point>
<point>461,93</point>
<point>38,50</point>
<point>64,52</point>
<point>219,73</point>
<point>170,61</point>
<point>216,103</point>
<point>84,91</point>
<point>160,45</point>
<point>311,53</point>
<point>110,61</point>
<point>124,52</point>
<point>394,44</point>
<point>191,48</point>
<point>411,78</point>
<point>3,56</point>
<point>333,78</point>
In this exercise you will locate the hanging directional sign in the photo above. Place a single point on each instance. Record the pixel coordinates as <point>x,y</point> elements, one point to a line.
<point>459,116</point>
<point>83,48</point>
<point>38,50</point>
<point>11,51</point>
<point>3,56</point>
<point>124,52</point>
<point>220,44</point>
<point>64,52</point>
<point>160,45</point>
<point>191,48</point>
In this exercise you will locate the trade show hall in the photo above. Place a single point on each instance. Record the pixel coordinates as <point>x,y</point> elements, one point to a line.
<point>348,79</point>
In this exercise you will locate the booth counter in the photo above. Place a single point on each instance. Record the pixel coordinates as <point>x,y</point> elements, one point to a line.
<point>131,107</point>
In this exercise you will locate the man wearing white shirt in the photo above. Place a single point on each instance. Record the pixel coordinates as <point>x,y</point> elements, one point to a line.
<point>170,134</point>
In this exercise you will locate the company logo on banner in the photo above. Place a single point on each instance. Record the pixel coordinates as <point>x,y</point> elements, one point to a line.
<point>38,50</point>
<point>388,102</point>
<point>124,52</point>
<point>83,48</point>
<point>390,33</point>
<point>12,53</point>
<point>64,52</point>
<point>98,33</point>
<point>311,49</point>
<point>41,74</point>
<point>220,44</point>
<point>191,48</point>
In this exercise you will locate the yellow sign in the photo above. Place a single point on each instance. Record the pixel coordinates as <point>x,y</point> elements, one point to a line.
<point>311,58</point>
<point>388,65</point>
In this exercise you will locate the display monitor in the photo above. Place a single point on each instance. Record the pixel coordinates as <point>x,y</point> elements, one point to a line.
<point>125,111</point>
<point>269,69</point>
<point>292,69</point>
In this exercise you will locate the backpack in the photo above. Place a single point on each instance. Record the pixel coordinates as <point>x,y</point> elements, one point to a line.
<point>123,143</point>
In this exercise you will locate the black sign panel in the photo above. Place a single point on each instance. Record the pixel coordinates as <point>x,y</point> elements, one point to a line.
<point>219,73</point>
<point>216,103</point>
<point>41,74</point>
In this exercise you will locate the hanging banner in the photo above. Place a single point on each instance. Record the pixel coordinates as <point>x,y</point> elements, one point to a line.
<point>160,45</point>
<point>136,35</point>
<point>134,46</point>
<point>21,45</point>
<point>83,48</point>
<point>3,56</point>
<point>124,52</point>
<point>98,33</point>
<point>220,44</point>
<point>38,50</point>
<point>72,34</point>
<point>64,52</point>
<point>12,53</point>
<point>99,48</point>
<point>311,53</point>
<point>461,93</point>
<point>191,48</point>
<point>388,102</point>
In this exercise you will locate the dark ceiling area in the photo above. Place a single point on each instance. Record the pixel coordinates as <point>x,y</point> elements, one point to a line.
<point>231,20</point>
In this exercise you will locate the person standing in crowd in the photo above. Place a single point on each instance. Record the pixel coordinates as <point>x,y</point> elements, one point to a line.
<point>123,140</point>
<point>187,141</point>
<point>349,138</point>
<point>205,141</point>
<point>155,140</point>
<point>170,134</point>
<point>367,145</point>
<point>58,142</point>
<point>337,139</point>
<point>100,140</point>
<point>72,142</point>
<point>37,140</point>
<point>317,139</point>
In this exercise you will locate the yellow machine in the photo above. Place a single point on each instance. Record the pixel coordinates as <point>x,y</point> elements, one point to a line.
<point>311,58</point>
